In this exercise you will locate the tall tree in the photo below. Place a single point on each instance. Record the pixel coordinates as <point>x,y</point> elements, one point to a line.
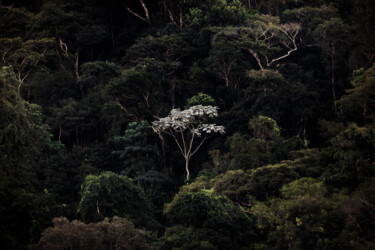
<point>23,56</point>
<point>331,36</point>
<point>109,194</point>
<point>186,126</point>
<point>263,38</point>
<point>361,98</point>
<point>23,140</point>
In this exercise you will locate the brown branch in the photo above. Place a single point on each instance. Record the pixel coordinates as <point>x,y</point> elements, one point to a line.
<point>63,47</point>
<point>181,20</point>
<point>97,208</point>
<point>60,131</point>
<point>21,80</point>
<point>124,109</point>
<point>76,64</point>
<point>146,97</point>
<point>242,209</point>
<point>6,52</point>
<point>135,14</point>
<point>256,57</point>
<point>171,15</point>
<point>147,18</point>
<point>168,133</point>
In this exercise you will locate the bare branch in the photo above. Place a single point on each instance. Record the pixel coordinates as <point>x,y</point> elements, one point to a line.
<point>23,65</point>
<point>191,144</point>
<point>204,139</point>
<point>137,15</point>
<point>145,9</point>
<point>124,109</point>
<point>5,53</point>
<point>171,17</point>
<point>290,31</point>
<point>63,47</point>
<point>76,63</point>
<point>146,96</point>
<point>256,57</point>
<point>147,18</point>
<point>178,144</point>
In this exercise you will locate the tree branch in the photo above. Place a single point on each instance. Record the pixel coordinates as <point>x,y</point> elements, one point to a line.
<point>170,15</point>
<point>256,57</point>
<point>147,18</point>
<point>292,38</point>
<point>191,144</point>
<point>178,144</point>
<point>183,141</point>
<point>5,53</point>
<point>205,138</point>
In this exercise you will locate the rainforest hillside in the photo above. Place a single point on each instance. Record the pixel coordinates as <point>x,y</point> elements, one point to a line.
<point>187,124</point>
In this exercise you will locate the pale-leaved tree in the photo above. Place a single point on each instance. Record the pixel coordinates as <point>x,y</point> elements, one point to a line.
<point>188,126</point>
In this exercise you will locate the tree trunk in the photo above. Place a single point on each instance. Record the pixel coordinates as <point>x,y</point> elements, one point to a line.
<point>187,168</point>
<point>60,131</point>
<point>333,79</point>
<point>163,150</point>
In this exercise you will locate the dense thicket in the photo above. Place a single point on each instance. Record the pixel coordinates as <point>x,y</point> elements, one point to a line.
<point>81,83</point>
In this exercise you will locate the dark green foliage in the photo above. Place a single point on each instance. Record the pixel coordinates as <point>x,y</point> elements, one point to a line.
<point>135,150</point>
<point>143,91</point>
<point>266,146</point>
<point>264,128</point>
<point>303,218</point>
<point>159,189</point>
<point>95,75</point>
<point>200,99</point>
<point>359,101</point>
<point>227,13</point>
<point>108,194</point>
<point>359,211</point>
<point>22,141</point>
<point>13,21</point>
<point>81,81</point>
<point>203,221</point>
<point>265,182</point>
<point>352,152</point>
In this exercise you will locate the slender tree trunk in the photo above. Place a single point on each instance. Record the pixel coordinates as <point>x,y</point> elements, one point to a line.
<point>181,18</point>
<point>161,137</point>
<point>187,168</point>
<point>60,132</point>
<point>333,78</point>
<point>97,208</point>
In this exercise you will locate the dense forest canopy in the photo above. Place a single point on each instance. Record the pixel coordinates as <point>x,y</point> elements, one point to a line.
<point>187,124</point>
